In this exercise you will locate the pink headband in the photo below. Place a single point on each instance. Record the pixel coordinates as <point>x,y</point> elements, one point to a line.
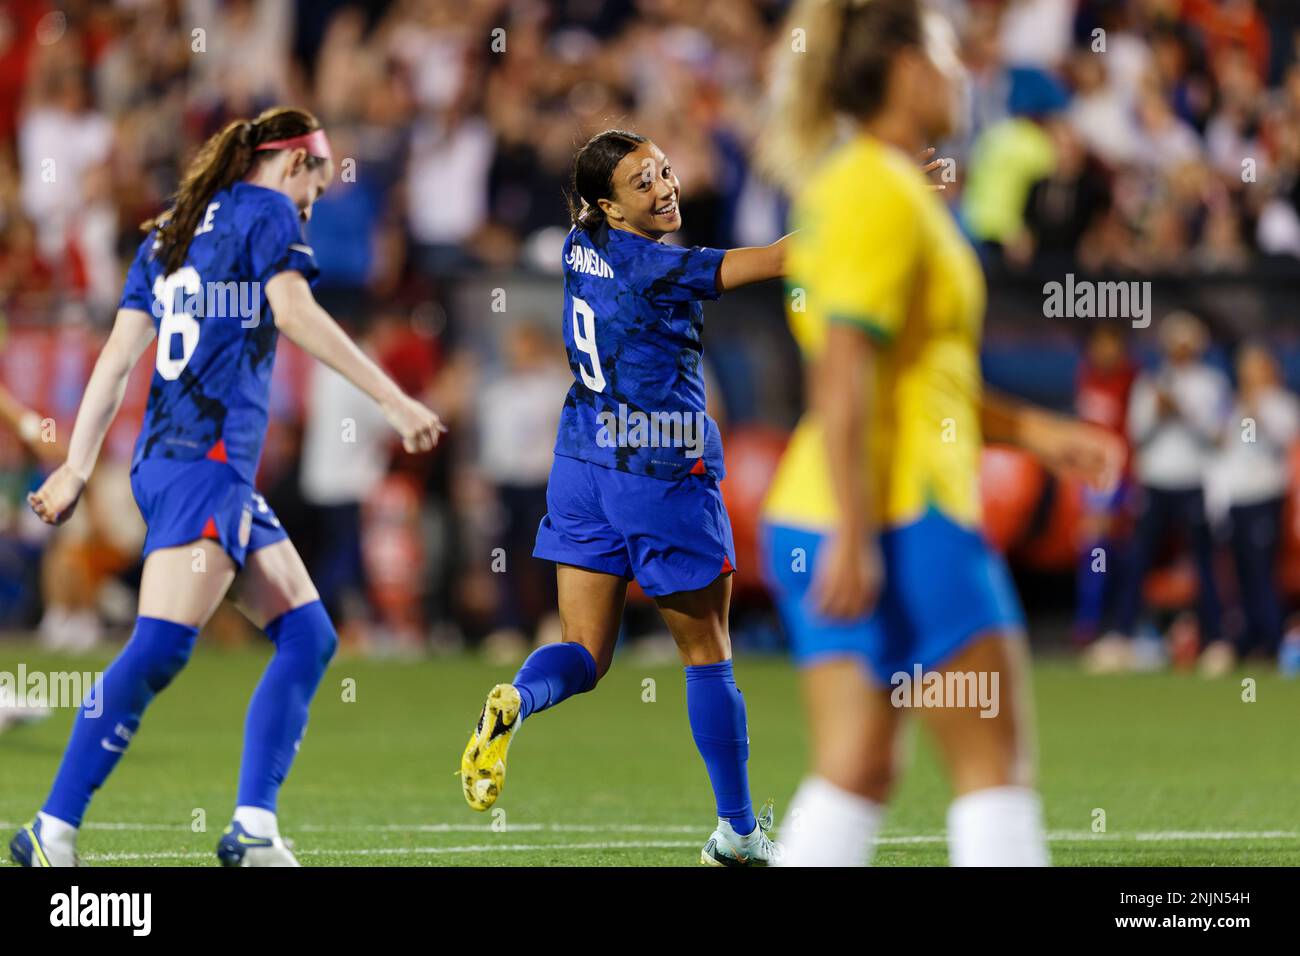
<point>315,143</point>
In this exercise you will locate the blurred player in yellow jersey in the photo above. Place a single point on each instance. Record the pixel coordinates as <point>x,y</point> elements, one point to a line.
<point>872,526</point>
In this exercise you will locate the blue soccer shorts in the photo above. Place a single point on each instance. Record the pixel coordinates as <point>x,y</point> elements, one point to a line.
<point>943,589</point>
<point>183,501</point>
<point>670,535</point>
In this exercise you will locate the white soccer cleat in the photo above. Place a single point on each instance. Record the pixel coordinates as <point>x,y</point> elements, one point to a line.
<point>728,848</point>
<point>32,845</point>
<point>238,847</point>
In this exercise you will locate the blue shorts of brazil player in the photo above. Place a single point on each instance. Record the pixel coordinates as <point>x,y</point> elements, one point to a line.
<point>671,535</point>
<point>182,501</point>
<point>944,587</point>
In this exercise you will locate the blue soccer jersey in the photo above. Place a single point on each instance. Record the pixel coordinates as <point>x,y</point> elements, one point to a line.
<point>632,324</point>
<point>216,334</point>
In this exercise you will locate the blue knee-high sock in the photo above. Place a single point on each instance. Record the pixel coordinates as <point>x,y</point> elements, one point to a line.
<point>552,673</point>
<point>305,641</point>
<point>110,715</point>
<point>717,713</point>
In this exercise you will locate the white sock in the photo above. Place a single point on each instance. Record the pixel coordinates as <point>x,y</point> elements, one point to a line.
<point>57,832</point>
<point>827,826</point>
<point>258,821</point>
<point>998,826</point>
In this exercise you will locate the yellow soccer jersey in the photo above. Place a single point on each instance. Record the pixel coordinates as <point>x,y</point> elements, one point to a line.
<point>878,249</point>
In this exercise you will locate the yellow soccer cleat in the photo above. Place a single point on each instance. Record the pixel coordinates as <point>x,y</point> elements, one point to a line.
<point>483,765</point>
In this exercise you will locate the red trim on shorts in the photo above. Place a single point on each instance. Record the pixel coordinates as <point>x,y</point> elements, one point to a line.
<point>210,531</point>
<point>698,468</point>
<point>218,451</point>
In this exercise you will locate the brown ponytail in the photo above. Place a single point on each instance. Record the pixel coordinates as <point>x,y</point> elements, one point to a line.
<point>835,64</point>
<point>225,159</point>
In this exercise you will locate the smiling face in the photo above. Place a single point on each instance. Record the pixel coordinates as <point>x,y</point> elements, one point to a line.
<point>646,194</point>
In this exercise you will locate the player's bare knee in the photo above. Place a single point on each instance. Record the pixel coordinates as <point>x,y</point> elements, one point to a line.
<point>1001,765</point>
<point>703,647</point>
<point>870,776</point>
<point>860,763</point>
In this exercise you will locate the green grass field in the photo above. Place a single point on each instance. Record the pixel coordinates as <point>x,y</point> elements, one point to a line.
<point>1186,772</point>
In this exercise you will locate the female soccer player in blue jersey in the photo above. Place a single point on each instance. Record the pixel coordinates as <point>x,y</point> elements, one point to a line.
<point>634,488</point>
<point>219,276</point>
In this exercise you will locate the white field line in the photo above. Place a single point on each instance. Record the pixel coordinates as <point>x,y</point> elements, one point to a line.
<point>1060,836</point>
<point>419,827</point>
<point>414,851</point>
<point>1217,835</point>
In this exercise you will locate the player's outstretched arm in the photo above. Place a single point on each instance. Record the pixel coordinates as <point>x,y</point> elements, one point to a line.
<point>300,317</point>
<point>132,332</point>
<point>753,264</point>
<point>1068,445</point>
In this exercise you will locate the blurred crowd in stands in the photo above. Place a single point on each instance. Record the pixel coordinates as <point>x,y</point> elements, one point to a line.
<point>1148,137</point>
<point>1156,136</point>
<point>1208,466</point>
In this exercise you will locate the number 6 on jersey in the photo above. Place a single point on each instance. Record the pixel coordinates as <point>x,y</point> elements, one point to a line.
<point>185,279</point>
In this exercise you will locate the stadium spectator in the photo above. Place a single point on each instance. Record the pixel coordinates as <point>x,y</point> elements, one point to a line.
<point>81,557</point>
<point>1062,207</point>
<point>241,56</point>
<point>346,449</point>
<point>1229,25</point>
<point>1009,157</point>
<point>517,415</point>
<point>1101,111</point>
<point>1252,473</point>
<point>1175,419</point>
<point>1036,33</point>
<point>1104,384</point>
<point>64,147</point>
<point>451,156</point>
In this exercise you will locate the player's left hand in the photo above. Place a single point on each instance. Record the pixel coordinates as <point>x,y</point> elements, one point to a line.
<point>56,499</point>
<point>419,426</point>
<point>1080,450</point>
<point>849,578</point>
<point>929,164</point>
